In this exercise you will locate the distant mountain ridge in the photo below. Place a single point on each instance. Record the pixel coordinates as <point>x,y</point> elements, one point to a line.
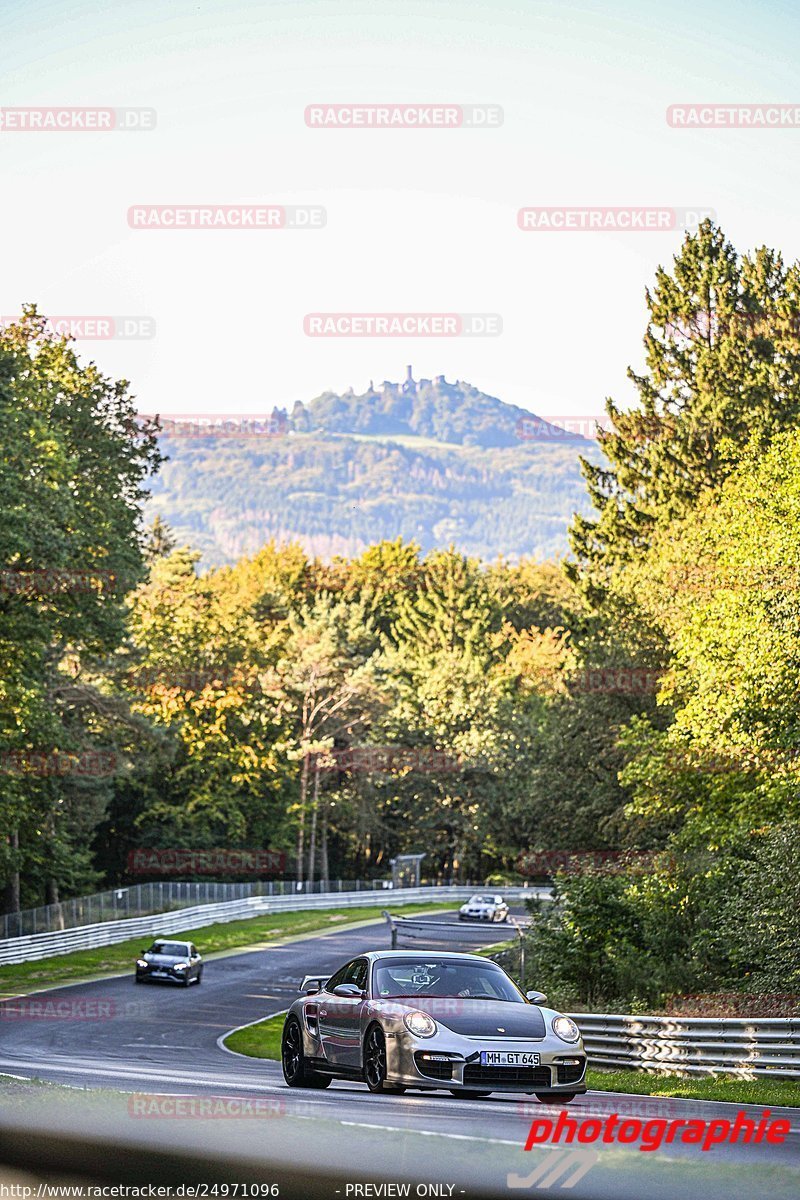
<point>430,461</point>
<point>455,413</point>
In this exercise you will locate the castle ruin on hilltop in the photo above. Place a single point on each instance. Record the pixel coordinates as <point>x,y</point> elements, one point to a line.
<point>408,387</point>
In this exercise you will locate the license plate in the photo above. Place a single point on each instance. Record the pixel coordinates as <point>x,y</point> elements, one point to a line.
<point>160,974</point>
<point>509,1058</point>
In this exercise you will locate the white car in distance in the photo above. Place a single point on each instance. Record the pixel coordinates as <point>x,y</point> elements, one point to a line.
<point>484,907</point>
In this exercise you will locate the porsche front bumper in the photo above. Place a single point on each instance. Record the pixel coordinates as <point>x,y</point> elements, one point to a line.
<point>450,1061</point>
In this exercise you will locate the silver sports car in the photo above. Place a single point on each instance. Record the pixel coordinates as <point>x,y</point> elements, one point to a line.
<point>396,1019</point>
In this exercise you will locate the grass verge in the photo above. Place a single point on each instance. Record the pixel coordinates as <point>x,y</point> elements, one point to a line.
<point>767,1092</point>
<point>264,1041</point>
<point>258,1041</point>
<point>109,960</point>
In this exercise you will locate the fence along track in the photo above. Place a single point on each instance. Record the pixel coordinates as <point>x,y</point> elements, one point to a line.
<point>757,1048</point>
<point>87,937</point>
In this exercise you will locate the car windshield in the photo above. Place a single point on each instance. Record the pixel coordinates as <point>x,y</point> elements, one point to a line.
<point>443,977</point>
<point>170,949</point>
<point>482,900</point>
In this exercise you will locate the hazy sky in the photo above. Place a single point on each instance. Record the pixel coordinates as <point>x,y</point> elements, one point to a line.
<point>417,220</point>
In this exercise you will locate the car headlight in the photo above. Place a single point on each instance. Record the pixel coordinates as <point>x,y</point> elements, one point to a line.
<point>181,966</point>
<point>566,1029</point>
<point>420,1024</point>
<point>141,962</point>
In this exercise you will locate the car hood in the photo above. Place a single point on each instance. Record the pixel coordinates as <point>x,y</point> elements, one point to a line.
<point>482,1018</point>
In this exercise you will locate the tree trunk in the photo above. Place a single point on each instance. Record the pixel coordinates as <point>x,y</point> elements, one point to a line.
<point>12,887</point>
<point>301,830</point>
<point>323,866</point>
<point>312,849</point>
<point>51,897</point>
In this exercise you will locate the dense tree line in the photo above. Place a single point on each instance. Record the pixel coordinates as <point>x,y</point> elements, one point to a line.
<point>639,700</point>
<point>693,555</point>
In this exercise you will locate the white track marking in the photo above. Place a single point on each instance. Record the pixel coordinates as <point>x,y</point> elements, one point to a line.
<point>459,1137</point>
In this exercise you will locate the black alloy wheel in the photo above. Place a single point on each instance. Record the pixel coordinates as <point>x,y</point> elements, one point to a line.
<point>375,1060</point>
<point>293,1061</point>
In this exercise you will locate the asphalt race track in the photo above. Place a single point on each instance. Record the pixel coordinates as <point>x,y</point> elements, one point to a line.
<point>163,1040</point>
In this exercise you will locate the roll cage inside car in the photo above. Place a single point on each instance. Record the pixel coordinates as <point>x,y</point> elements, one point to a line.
<point>358,977</point>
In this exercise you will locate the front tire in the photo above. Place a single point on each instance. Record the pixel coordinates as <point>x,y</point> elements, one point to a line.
<point>375,1060</point>
<point>556,1097</point>
<point>293,1061</point>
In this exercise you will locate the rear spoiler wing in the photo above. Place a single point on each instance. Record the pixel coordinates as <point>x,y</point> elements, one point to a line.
<point>313,983</point>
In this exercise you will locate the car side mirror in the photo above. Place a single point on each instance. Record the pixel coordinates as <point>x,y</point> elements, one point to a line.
<point>311,989</point>
<point>348,990</point>
<point>143,953</point>
<point>536,997</point>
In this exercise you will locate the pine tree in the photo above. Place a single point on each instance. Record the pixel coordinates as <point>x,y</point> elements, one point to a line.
<point>722,370</point>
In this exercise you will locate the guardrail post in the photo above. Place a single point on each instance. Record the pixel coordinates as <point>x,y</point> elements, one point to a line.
<point>392,927</point>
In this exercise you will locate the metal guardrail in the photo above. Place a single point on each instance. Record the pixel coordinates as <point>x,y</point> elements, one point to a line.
<point>87,937</point>
<point>442,933</point>
<point>763,1046</point>
<point>163,895</point>
<point>747,1048</point>
<point>414,928</point>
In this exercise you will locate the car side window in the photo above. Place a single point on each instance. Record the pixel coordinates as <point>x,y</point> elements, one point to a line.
<point>341,976</point>
<point>193,951</point>
<point>358,973</point>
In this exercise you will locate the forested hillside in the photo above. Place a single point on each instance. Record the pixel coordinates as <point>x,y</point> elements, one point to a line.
<point>434,462</point>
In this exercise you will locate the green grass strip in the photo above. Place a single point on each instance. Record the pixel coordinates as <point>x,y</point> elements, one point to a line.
<point>258,1041</point>
<point>767,1092</point>
<point>252,931</point>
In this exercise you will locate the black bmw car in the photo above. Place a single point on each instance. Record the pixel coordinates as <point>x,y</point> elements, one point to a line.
<point>175,962</point>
